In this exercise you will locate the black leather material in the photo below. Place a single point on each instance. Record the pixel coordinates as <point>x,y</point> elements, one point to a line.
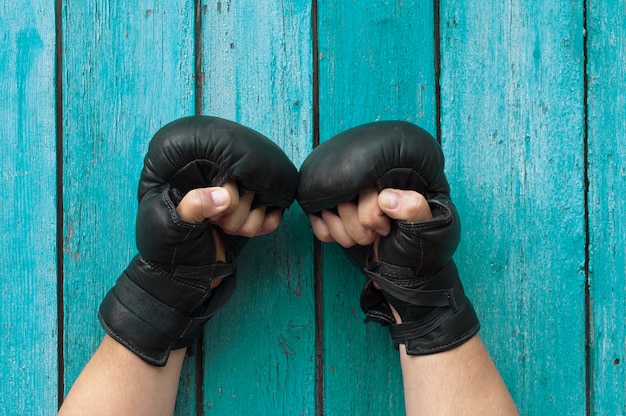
<point>199,151</point>
<point>415,269</point>
<point>163,298</point>
<point>384,154</point>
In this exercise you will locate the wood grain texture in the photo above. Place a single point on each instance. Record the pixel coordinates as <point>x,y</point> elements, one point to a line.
<point>259,350</point>
<point>513,133</point>
<point>606,75</point>
<point>376,62</point>
<point>128,70</point>
<point>28,307</point>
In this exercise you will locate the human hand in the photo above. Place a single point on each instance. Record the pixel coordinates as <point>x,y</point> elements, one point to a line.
<point>205,189</point>
<point>403,239</point>
<point>363,223</point>
<point>224,208</point>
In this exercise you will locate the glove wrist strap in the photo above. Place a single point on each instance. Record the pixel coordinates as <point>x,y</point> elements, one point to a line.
<point>434,318</point>
<point>151,328</point>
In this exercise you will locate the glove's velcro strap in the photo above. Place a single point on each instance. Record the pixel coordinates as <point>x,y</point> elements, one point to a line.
<point>149,327</point>
<point>435,318</point>
<point>131,330</point>
<point>447,331</point>
<point>153,312</point>
<point>382,274</point>
<point>410,330</point>
<point>185,289</point>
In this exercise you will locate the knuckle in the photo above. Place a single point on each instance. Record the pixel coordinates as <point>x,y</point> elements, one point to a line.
<point>271,223</point>
<point>228,226</point>
<point>368,220</point>
<point>365,239</point>
<point>322,234</point>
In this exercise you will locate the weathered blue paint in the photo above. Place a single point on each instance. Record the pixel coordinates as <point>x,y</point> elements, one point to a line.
<point>606,75</point>
<point>376,62</point>
<point>513,129</point>
<point>257,62</point>
<point>512,82</point>
<point>28,305</point>
<point>127,70</point>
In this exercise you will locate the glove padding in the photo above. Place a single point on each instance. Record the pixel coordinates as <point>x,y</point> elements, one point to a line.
<point>164,296</point>
<point>414,270</point>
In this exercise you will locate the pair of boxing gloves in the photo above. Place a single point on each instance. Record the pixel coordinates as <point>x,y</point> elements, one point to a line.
<point>164,296</point>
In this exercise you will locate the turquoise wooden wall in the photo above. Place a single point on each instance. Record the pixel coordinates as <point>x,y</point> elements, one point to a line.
<point>527,98</point>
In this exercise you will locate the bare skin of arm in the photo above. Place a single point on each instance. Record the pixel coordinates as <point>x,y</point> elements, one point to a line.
<point>117,382</point>
<point>460,381</point>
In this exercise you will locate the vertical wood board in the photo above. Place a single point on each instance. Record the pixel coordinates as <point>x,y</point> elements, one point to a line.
<point>259,350</point>
<point>28,346</point>
<point>512,130</point>
<point>128,70</point>
<point>376,62</point>
<point>513,121</point>
<point>606,69</point>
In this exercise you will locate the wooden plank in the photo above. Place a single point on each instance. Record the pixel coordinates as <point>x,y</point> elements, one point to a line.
<point>376,62</point>
<point>28,346</point>
<point>128,70</point>
<point>606,74</point>
<point>259,350</point>
<point>513,132</point>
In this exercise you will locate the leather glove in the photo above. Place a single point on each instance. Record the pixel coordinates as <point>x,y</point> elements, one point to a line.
<point>164,296</point>
<point>414,269</point>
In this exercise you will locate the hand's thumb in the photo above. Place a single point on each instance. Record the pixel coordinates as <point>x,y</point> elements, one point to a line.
<point>404,205</point>
<point>200,204</point>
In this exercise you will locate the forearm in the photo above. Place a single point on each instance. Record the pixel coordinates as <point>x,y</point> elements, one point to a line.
<point>116,381</point>
<point>460,381</point>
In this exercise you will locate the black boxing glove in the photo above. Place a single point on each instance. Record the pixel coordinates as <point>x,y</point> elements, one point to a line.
<point>414,269</point>
<point>164,296</point>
